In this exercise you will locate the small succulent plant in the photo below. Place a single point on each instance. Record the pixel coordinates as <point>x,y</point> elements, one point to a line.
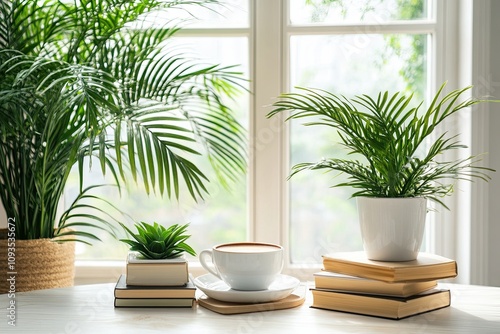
<point>157,242</point>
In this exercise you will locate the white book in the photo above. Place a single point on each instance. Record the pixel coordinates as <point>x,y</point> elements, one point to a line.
<point>145,272</point>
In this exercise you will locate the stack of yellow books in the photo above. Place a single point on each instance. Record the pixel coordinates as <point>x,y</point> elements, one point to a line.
<point>352,283</point>
<point>155,283</point>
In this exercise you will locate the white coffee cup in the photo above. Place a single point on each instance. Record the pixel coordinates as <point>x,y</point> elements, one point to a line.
<point>244,265</point>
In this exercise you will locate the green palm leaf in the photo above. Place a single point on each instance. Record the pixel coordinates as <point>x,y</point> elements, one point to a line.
<point>78,80</point>
<point>388,134</point>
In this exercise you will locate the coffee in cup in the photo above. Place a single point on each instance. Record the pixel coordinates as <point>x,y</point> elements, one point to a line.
<point>244,265</point>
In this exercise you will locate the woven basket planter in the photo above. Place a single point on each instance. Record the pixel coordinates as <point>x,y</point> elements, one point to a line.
<point>38,264</point>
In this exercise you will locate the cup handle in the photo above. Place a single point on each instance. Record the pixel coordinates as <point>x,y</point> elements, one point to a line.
<point>204,255</point>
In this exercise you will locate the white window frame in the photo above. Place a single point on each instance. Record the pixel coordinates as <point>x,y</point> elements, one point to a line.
<point>270,190</point>
<point>462,232</point>
<point>453,234</point>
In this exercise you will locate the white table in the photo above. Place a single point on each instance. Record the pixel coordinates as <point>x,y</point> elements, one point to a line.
<point>89,309</point>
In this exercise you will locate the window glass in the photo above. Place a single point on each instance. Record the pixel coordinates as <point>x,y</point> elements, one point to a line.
<point>222,216</point>
<point>225,14</point>
<point>324,219</point>
<point>353,11</point>
<point>321,219</point>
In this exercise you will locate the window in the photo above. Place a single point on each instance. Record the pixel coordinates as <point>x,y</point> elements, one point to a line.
<point>351,48</point>
<point>347,46</point>
<point>218,35</point>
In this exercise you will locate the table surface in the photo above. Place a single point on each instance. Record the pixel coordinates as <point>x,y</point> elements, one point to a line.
<point>89,309</point>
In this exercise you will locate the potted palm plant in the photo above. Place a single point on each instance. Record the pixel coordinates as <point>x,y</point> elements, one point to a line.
<point>83,80</point>
<point>390,167</point>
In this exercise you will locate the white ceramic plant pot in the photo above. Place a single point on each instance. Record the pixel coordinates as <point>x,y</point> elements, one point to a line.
<point>392,228</point>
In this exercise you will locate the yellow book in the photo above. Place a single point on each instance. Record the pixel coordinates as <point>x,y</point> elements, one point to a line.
<point>122,290</point>
<point>154,302</point>
<point>425,268</point>
<point>339,282</point>
<point>381,306</point>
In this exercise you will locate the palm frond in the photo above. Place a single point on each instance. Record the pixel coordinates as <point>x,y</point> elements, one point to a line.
<point>82,80</point>
<point>387,133</point>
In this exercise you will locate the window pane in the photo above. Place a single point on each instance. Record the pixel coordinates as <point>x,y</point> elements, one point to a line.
<point>324,219</point>
<point>227,14</point>
<point>352,11</point>
<point>222,217</point>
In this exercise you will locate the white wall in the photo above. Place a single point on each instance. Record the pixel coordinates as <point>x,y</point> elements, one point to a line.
<point>494,154</point>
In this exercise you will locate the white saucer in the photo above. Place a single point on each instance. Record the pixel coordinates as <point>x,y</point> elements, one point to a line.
<point>215,288</point>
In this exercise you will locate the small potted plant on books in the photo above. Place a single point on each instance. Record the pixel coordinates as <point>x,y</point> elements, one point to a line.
<point>395,162</point>
<point>156,255</point>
